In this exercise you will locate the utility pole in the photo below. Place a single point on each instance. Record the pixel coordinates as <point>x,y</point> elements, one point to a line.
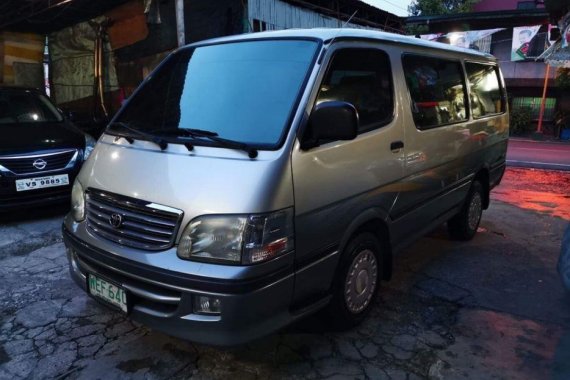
<point>543,101</point>
<point>180,34</point>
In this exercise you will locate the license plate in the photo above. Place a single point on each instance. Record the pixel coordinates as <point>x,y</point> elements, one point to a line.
<point>111,293</point>
<point>42,182</point>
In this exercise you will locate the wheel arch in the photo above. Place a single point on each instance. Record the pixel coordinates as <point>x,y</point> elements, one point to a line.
<point>375,222</point>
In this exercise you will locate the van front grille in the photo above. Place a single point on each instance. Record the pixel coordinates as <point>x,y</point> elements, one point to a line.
<point>131,222</point>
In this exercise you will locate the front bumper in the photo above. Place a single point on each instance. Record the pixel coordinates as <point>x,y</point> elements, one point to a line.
<point>162,299</point>
<point>10,199</point>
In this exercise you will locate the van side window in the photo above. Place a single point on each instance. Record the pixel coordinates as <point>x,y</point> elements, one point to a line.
<point>363,78</point>
<point>485,91</point>
<point>437,90</point>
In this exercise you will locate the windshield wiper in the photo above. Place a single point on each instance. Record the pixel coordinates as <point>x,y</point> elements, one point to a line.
<point>232,144</point>
<point>199,132</point>
<point>177,132</point>
<point>213,136</point>
<point>162,143</point>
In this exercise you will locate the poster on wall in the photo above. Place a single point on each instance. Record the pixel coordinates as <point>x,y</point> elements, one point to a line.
<point>473,39</point>
<point>431,37</point>
<point>459,39</point>
<point>521,41</point>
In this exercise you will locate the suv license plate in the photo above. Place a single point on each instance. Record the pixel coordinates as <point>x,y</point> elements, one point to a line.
<point>113,294</point>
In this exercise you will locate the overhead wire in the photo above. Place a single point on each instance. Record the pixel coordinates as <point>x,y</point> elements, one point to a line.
<point>24,13</point>
<point>57,15</point>
<point>395,5</point>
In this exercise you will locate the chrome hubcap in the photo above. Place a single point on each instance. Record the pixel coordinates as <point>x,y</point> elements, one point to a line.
<point>475,208</point>
<point>361,281</point>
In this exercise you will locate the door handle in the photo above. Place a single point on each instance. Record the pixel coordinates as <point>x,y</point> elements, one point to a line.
<point>396,145</point>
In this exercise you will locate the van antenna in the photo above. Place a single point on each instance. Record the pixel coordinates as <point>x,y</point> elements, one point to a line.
<point>342,27</point>
<point>350,18</point>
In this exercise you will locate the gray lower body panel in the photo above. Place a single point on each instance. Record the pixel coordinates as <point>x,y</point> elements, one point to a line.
<point>254,309</point>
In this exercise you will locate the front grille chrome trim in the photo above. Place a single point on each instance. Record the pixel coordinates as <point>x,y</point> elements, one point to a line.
<point>16,166</point>
<point>141,218</point>
<point>39,155</point>
<point>101,217</point>
<point>143,227</point>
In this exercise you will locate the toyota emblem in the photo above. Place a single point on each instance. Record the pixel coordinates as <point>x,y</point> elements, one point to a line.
<point>40,164</point>
<point>116,220</point>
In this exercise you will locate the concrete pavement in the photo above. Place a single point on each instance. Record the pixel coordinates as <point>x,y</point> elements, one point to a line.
<point>492,308</point>
<point>538,154</point>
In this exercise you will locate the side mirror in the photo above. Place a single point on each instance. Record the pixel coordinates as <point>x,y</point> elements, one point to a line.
<point>331,121</point>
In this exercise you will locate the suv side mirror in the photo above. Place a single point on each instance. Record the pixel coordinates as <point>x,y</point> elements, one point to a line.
<point>331,121</point>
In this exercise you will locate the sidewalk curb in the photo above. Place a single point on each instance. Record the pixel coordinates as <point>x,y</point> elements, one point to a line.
<point>537,165</point>
<point>522,139</point>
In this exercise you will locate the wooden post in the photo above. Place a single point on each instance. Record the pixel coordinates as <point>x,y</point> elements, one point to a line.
<point>543,101</point>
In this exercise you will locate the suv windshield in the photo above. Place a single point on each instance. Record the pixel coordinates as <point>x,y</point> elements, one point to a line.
<point>26,106</point>
<point>243,91</point>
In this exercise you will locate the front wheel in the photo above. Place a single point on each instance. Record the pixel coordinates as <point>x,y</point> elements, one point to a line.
<point>357,281</point>
<point>463,226</point>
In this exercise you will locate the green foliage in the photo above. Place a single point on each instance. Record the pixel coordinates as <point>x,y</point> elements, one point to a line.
<point>414,30</point>
<point>440,7</point>
<point>563,78</point>
<point>521,119</point>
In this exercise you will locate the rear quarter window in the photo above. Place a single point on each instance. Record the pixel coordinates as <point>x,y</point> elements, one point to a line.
<point>437,90</point>
<point>485,90</point>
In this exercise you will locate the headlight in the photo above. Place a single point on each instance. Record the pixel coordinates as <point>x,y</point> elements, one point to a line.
<point>77,202</point>
<point>238,239</point>
<point>89,146</point>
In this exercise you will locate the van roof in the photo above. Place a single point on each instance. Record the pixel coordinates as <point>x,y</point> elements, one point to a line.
<point>325,34</point>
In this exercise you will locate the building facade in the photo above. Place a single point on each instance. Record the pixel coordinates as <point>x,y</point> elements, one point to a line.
<point>519,27</point>
<point>525,78</point>
<point>137,35</point>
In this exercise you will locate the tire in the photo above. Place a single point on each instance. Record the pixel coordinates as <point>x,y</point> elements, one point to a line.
<point>357,281</point>
<point>463,226</point>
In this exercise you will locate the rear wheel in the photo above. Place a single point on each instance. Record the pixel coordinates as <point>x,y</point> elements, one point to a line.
<point>357,281</point>
<point>463,226</point>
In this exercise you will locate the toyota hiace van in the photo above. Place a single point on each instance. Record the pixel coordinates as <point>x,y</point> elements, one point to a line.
<point>253,180</point>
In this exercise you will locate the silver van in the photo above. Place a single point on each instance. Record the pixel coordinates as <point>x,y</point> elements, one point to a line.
<point>253,180</point>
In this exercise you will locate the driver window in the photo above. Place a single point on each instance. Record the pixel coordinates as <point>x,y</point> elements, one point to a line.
<point>363,78</point>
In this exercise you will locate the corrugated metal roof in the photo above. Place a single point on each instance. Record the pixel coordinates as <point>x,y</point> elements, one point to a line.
<point>366,14</point>
<point>46,16</point>
<point>480,20</point>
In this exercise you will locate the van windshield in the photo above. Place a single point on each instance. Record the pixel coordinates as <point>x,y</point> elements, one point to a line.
<point>243,91</point>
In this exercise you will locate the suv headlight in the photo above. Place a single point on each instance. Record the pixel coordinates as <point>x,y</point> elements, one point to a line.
<point>77,202</point>
<point>89,146</point>
<point>241,239</point>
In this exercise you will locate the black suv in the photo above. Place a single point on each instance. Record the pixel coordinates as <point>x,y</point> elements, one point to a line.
<point>41,151</point>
